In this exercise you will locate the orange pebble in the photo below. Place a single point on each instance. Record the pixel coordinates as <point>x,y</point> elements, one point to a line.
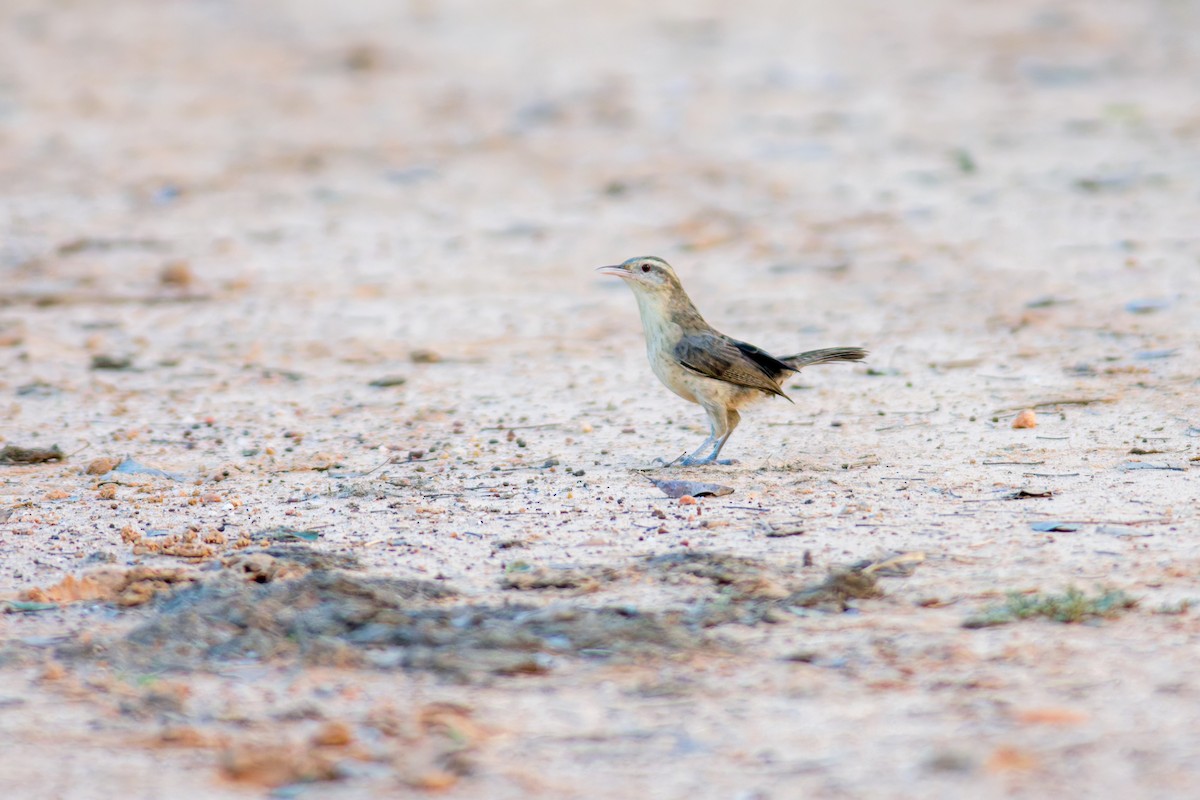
<point>1026,419</point>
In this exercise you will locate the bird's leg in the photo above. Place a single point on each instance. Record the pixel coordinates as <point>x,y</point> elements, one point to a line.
<point>722,421</point>
<point>709,444</point>
<point>733,419</point>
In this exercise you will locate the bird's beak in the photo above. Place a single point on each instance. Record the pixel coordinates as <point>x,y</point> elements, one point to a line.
<point>615,269</point>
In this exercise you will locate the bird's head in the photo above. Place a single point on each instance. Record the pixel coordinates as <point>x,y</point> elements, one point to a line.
<point>647,275</point>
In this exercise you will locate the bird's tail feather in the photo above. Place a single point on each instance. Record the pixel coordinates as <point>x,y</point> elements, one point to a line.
<point>825,355</point>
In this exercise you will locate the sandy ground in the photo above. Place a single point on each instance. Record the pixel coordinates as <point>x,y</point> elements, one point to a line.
<point>221,222</point>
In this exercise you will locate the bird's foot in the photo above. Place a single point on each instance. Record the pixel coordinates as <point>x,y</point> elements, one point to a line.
<point>689,461</point>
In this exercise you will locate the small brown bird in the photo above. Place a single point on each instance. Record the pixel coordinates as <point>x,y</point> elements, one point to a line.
<point>699,363</point>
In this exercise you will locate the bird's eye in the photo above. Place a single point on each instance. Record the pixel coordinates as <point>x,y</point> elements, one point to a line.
<point>645,267</point>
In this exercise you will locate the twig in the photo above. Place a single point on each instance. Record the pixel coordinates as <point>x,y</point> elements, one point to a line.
<point>1012,463</point>
<point>1050,474</point>
<point>1070,401</point>
<point>381,466</point>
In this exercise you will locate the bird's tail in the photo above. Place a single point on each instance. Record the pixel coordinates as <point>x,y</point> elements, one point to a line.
<point>801,360</point>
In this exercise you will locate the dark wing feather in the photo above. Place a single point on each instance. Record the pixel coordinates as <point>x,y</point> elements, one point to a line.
<point>724,359</point>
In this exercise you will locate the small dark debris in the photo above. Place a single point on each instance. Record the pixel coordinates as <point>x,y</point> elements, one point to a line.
<point>12,454</point>
<point>361,58</point>
<point>425,357</point>
<point>389,381</point>
<point>780,533</point>
<point>1046,301</point>
<point>509,544</point>
<point>949,761</point>
<point>111,362</point>
<point>964,161</point>
<point>1024,494</point>
<point>270,373</point>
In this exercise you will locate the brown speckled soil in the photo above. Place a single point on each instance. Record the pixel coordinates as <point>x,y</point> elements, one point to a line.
<point>253,211</point>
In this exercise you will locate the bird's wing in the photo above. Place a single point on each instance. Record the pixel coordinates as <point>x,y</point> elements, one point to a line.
<point>724,359</point>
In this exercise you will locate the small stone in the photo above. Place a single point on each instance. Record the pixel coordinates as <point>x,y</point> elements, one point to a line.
<point>334,734</point>
<point>177,274</point>
<point>1026,419</point>
<point>99,466</point>
<point>425,357</point>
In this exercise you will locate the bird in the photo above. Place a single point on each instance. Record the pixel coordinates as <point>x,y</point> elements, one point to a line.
<point>703,365</point>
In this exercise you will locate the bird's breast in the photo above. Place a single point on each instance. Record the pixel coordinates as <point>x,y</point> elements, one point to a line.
<point>662,334</point>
